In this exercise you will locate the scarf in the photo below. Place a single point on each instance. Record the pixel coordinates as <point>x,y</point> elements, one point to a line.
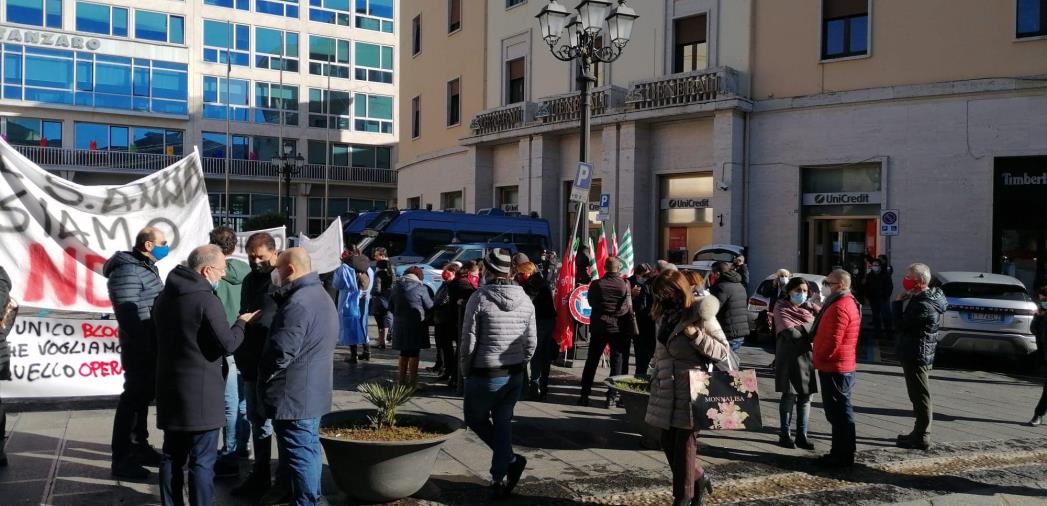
<point>787,316</point>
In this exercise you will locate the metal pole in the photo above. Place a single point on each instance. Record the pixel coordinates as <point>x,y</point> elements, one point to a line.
<point>327,166</point>
<point>280,142</point>
<point>584,141</point>
<point>286,169</point>
<point>228,129</point>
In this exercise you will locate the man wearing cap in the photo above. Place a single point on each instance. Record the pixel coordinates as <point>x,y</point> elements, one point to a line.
<point>499,336</point>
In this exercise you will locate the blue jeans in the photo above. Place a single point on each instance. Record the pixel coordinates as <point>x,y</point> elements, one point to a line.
<point>802,403</point>
<point>200,451</point>
<point>836,400</point>
<point>736,344</point>
<point>237,430</point>
<point>489,404</point>
<point>301,459</point>
<point>261,427</point>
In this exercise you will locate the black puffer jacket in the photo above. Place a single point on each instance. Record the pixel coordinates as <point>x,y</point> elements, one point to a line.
<point>541,295</point>
<point>134,284</point>
<point>734,314</point>
<point>917,322</point>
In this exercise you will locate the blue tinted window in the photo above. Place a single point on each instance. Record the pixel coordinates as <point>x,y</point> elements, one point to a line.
<point>49,96</point>
<point>216,33</point>
<point>177,30</point>
<point>120,21</point>
<point>118,138</point>
<point>54,13</point>
<point>268,41</point>
<point>1031,18</point>
<point>48,72</point>
<point>214,144</point>
<point>243,37</point>
<point>114,79</point>
<point>378,8</point>
<point>859,34</point>
<point>27,12</point>
<point>12,69</point>
<point>84,76</point>
<point>92,18</point>
<point>151,26</point>
<point>141,81</point>
<point>238,4</point>
<point>834,36</point>
<point>91,135</point>
<point>168,84</point>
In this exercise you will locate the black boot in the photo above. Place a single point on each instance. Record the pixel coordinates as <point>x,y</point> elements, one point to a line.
<point>702,488</point>
<point>260,479</point>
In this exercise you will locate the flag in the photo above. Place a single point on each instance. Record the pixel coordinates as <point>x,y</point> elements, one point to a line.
<point>626,252</point>
<point>564,330</point>
<point>614,241</point>
<point>601,251</point>
<point>594,269</point>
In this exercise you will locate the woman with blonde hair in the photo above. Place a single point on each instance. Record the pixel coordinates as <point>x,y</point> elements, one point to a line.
<point>688,339</point>
<point>697,283</point>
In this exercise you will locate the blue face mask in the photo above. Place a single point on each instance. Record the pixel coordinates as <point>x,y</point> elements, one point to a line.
<point>214,286</point>
<point>798,297</point>
<point>159,252</point>
<point>1043,304</point>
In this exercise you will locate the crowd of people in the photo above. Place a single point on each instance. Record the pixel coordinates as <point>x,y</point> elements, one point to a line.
<point>237,354</point>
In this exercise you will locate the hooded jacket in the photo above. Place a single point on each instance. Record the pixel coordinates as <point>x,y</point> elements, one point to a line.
<point>296,372</point>
<point>917,324</point>
<point>499,330</point>
<point>734,312</point>
<point>410,303</point>
<point>230,287</point>
<point>134,283</point>
<point>192,337</point>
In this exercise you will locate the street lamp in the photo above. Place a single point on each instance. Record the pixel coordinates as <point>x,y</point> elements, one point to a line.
<point>288,164</point>
<point>584,31</point>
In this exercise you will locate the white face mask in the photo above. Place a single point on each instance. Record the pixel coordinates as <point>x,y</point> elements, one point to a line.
<point>274,276</point>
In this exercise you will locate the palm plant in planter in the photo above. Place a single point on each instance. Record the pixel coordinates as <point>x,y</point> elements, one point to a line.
<point>384,454</point>
<point>635,392</point>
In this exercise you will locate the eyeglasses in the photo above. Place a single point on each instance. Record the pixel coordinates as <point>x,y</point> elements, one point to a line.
<point>830,283</point>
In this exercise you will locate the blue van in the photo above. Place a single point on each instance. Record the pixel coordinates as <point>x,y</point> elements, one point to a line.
<point>411,236</point>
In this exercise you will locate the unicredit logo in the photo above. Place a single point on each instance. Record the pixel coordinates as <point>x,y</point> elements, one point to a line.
<point>841,198</point>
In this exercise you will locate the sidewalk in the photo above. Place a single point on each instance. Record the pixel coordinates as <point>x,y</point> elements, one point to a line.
<point>589,456</point>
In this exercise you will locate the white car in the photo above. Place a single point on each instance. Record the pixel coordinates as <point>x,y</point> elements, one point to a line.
<point>708,255</point>
<point>988,313</point>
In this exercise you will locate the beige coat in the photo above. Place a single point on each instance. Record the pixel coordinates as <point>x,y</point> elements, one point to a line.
<point>696,342</point>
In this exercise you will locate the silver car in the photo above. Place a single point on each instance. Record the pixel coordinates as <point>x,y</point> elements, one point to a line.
<point>988,313</point>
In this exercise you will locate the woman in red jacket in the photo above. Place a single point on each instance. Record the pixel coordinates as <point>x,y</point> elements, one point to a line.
<point>835,343</point>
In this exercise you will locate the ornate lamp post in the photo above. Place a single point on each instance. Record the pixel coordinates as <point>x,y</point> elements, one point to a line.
<point>583,31</point>
<point>288,164</point>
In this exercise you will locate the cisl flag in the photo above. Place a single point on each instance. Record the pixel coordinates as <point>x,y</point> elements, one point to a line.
<point>601,252</point>
<point>564,330</point>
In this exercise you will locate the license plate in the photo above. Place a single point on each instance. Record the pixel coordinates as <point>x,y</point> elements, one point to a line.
<point>986,317</point>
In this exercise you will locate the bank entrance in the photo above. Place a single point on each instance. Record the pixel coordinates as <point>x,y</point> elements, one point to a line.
<point>841,208</point>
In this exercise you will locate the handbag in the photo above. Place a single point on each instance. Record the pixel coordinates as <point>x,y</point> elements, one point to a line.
<point>725,400</point>
<point>627,323</point>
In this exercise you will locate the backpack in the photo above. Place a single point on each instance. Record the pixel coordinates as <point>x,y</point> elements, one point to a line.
<point>384,277</point>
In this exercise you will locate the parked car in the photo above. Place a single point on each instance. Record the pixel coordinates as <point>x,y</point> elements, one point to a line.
<point>708,255</point>
<point>988,314</point>
<point>433,266</point>
<point>760,300</point>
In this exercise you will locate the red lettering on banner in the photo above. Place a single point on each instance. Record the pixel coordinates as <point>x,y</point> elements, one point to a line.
<point>94,264</point>
<point>98,331</point>
<point>101,369</point>
<point>41,268</point>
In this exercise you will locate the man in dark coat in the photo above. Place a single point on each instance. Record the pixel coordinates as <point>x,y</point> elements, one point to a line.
<point>609,298</point>
<point>8,310</point>
<point>1039,329</point>
<point>878,290</point>
<point>541,294</point>
<point>734,312</point>
<point>384,279</point>
<point>296,373</point>
<point>920,310</point>
<point>581,266</point>
<point>643,301</point>
<point>193,339</point>
<point>257,295</point>
<point>465,283</point>
<point>134,282</point>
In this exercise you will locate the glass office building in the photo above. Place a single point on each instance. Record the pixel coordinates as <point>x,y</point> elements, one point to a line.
<point>241,81</point>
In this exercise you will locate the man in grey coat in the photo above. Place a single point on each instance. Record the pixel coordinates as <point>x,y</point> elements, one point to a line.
<point>499,336</point>
<point>296,376</point>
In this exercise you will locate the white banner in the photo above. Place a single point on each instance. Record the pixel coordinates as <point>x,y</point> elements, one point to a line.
<point>326,250</point>
<point>52,357</point>
<point>279,236</point>
<point>56,235</point>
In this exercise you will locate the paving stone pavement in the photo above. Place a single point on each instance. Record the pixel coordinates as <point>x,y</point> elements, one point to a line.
<point>576,455</point>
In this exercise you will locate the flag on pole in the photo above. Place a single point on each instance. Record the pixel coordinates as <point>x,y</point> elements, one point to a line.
<point>614,241</point>
<point>564,330</point>
<point>626,252</point>
<point>594,268</point>
<point>601,251</point>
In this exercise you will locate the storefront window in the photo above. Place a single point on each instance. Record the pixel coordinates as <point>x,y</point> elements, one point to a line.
<point>685,217</point>
<point>1019,231</point>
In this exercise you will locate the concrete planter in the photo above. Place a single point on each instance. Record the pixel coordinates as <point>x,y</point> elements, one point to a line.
<point>384,471</point>
<point>636,411</point>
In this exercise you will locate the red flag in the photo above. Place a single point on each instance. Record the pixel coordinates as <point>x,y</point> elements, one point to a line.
<point>614,242</point>
<point>601,252</point>
<point>564,330</point>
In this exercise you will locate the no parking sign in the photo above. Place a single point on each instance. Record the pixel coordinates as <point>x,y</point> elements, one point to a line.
<point>889,222</point>
<point>579,304</point>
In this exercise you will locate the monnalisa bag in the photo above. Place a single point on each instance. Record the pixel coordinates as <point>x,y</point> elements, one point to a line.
<point>725,400</point>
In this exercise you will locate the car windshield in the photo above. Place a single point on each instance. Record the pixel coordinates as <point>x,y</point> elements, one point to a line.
<point>715,255</point>
<point>986,291</point>
<point>440,258</point>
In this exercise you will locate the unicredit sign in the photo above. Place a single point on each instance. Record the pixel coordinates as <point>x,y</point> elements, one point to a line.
<point>841,199</point>
<point>701,203</point>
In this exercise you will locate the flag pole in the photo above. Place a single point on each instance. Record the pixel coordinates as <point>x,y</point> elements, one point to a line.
<point>280,142</point>
<point>327,166</point>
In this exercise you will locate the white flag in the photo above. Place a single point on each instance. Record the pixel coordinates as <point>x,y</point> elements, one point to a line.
<point>326,250</point>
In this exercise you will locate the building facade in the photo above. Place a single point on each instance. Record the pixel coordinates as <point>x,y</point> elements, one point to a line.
<point>790,128</point>
<point>103,92</point>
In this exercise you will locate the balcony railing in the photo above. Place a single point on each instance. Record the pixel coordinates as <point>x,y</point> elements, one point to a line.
<point>683,89</point>
<point>566,107</point>
<point>503,118</point>
<point>125,161</point>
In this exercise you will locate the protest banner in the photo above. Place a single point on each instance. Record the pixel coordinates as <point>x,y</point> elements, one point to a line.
<point>53,357</point>
<point>326,250</point>
<point>59,234</point>
<point>279,237</point>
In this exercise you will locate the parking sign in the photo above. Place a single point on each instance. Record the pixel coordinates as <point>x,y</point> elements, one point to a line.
<point>583,179</point>
<point>889,222</point>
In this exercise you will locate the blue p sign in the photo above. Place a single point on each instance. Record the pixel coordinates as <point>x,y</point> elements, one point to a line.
<point>605,200</point>
<point>584,177</point>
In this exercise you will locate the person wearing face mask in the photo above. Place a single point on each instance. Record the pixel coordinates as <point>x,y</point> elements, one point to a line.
<point>445,320</point>
<point>878,290</point>
<point>793,373</point>
<point>734,309</point>
<point>541,295</point>
<point>134,283</point>
<point>643,301</point>
<point>919,311</point>
<point>466,282</point>
<point>352,280</point>
<point>257,295</point>
<point>410,303</point>
<point>689,339</point>
<point>1039,329</point>
<point>835,331</point>
<point>193,338</point>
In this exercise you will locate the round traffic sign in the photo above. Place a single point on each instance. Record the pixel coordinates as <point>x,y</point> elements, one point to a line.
<point>579,304</point>
<point>890,217</point>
